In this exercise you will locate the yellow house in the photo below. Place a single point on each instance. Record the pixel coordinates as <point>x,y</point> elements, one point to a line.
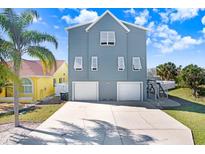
<point>36,85</point>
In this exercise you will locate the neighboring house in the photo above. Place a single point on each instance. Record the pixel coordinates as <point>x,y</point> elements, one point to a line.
<point>36,84</point>
<point>107,60</point>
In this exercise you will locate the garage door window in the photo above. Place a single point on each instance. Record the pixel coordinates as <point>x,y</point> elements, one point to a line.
<point>136,64</point>
<point>78,64</point>
<point>121,64</point>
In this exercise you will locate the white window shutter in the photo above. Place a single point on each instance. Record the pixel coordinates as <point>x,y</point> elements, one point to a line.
<point>94,63</point>
<point>78,63</point>
<point>121,63</point>
<point>111,38</point>
<point>136,63</point>
<point>103,38</point>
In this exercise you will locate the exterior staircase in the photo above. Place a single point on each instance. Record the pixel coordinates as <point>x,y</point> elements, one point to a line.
<point>156,89</point>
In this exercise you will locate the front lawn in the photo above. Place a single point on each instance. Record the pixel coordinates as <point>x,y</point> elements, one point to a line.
<point>186,93</point>
<point>39,114</point>
<point>191,114</point>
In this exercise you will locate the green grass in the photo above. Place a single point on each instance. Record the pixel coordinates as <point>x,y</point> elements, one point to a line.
<point>190,114</point>
<point>186,93</point>
<point>39,114</point>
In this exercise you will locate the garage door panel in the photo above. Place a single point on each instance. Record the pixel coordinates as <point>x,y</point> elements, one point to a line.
<point>129,91</point>
<point>85,91</point>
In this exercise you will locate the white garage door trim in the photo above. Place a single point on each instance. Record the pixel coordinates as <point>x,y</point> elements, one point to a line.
<point>87,90</point>
<point>131,83</point>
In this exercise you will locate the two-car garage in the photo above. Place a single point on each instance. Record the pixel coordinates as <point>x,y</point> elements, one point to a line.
<point>89,91</point>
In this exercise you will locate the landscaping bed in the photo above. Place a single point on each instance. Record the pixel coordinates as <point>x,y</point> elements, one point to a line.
<point>191,112</point>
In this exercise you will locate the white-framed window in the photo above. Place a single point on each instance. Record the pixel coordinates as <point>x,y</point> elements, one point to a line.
<point>94,63</point>
<point>78,63</point>
<point>121,63</point>
<point>136,64</point>
<point>107,38</point>
<point>26,85</point>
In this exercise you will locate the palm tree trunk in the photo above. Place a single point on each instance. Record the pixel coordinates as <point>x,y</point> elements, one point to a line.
<point>16,98</point>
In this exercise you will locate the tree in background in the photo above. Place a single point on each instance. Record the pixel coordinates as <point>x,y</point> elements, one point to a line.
<point>22,41</point>
<point>167,71</point>
<point>193,76</point>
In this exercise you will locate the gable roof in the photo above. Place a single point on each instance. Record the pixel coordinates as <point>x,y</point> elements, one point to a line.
<point>107,12</point>
<point>75,26</point>
<point>134,25</point>
<point>122,23</point>
<point>34,68</point>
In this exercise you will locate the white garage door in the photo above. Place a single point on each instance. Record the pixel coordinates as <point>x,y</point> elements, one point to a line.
<point>132,91</point>
<point>85,91</point>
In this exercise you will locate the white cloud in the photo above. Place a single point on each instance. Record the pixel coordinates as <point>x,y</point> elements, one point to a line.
<point>180,14</point>
<point>84,16</point>
<point>168,40</point>
<point>37,20</point>
<point>56,27</point>
<point>155,10</point>
<point>142,19</point>
<point>203,31</point>
<point>203,20</point>
<point>130,11</point>
<point>183,14</point>
<point>151,26</point>
<point>165,15</point>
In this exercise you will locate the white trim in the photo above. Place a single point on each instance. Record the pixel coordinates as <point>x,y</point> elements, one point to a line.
<point>131,82</point>
<point>134,25</point>
<point>92,58</point>
<point>75,67</point>
<point>118,62</point>
<point>28,85</point>
<point>107,12</point>
<point>140,64</point>
<point>73,88</point>
<point>75,26</point>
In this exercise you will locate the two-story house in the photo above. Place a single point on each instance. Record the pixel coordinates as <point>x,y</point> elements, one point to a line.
<point>107,60</point>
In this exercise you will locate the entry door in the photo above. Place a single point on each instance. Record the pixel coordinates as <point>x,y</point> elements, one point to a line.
<point>129,91</point>
<point>85,91</point>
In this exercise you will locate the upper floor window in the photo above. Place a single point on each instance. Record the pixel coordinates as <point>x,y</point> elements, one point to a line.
<point>136,63</point>
<point>107,38</point>
<point>121,63</point>
<point>78,63</point>
<point>94,63</point>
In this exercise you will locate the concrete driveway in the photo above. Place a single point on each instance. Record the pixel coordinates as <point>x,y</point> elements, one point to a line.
<point>90,123</point>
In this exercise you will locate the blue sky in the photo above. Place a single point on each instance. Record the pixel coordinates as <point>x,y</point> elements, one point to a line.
<point>176,35</point>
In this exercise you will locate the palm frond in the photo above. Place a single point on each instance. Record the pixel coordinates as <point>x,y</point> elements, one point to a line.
<point>6,49</point>
<point>45,55</point>
<point>27,17</point>
<point>4,22</point>
<point>37,37</point>
<point>14,27</point>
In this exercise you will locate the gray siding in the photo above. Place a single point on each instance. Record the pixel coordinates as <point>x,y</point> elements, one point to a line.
<point>87,44</point>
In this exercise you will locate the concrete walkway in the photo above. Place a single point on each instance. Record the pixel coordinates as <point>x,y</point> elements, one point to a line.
<point>90,123</point>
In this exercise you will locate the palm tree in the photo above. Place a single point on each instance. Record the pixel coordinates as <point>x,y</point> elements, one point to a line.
<point>23,41</point>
